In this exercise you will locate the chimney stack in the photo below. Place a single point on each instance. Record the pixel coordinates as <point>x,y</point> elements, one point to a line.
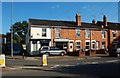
<point>93,21</point>
<point>78,19</point>
<point>105,20</point>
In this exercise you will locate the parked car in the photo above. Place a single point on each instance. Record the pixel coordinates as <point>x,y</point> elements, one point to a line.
<point>52,51</point>
<point>115,52</point>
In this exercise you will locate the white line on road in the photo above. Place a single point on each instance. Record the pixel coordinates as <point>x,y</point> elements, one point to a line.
<point>112,61</point>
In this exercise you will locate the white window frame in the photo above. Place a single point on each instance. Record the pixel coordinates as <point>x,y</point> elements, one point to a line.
<point>57,33</point>
<point>87,33</point>
<point>78,45</point>
<point>87,45</point>
<point>44,32</point>
<point>103,34</point>
<point>114,32</point>
<point>77,32</point>
<point>93,42</point>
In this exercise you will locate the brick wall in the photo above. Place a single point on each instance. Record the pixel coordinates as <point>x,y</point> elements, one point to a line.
<point>70,33</point>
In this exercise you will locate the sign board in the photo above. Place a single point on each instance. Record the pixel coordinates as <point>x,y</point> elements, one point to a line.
<point>44,60</point>
<point>2,60</point>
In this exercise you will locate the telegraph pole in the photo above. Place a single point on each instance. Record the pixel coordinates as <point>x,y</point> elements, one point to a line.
<point>11,28</point>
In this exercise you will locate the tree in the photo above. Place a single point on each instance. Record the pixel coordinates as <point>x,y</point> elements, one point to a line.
<point>20,31</point>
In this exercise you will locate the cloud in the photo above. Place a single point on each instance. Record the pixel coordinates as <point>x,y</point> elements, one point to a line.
<point>56,6</point>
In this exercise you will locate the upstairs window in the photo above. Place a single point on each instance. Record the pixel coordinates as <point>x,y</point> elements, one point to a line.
<point>87,33</point>
<point>44,32</point>
<point>57,33</point>
<point>103,33</point>
<point>77,32</point>
<point>114,34</point>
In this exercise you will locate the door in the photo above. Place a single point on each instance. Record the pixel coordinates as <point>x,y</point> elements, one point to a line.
<point>71,46</point>
<point>98,45</point>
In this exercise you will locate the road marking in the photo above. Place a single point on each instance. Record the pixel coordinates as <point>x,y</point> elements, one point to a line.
<point>112,61</point>
<point>54,66</point>
<point>94,63</point>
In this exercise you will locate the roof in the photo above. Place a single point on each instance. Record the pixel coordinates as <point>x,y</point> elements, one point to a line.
<point>111,25</point>
<point>62,23</point>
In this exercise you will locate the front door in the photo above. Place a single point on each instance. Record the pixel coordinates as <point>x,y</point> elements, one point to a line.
<point>71,46</point>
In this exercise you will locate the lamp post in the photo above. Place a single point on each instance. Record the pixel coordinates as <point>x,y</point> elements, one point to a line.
<point>90,39</point>
<point>11,29</point>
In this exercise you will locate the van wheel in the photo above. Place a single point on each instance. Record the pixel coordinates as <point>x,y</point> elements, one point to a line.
<point>62,54</point>
<point>47,54</point>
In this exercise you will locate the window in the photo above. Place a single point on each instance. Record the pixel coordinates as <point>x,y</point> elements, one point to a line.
<point>114,34</point>
<point>87,45</point>
<point>54,48</point>
<point>77,45</point>
<point>114,44</point>
<point>57,33</point>
<point>77,32</point>
<point>93,45</point>
<point>103,33</point>
<point>103,45</point>
<point>44,32</point>
<point>88,33</point>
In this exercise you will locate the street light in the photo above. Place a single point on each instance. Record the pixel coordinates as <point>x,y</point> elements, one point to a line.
<point>11,29</point>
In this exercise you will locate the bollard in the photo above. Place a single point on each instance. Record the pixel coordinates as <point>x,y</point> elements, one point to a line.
<point>44,60</point>
<point>2,60</point>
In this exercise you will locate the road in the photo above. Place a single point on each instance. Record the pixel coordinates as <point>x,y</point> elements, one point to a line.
<point>92,67</point>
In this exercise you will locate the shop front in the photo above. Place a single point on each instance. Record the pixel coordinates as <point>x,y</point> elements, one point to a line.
<point>61,43</point>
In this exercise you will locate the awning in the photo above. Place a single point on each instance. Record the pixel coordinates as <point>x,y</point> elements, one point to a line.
<point>61,40</point>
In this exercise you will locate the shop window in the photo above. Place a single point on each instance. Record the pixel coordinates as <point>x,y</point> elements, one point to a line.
<point>77,32</point>
<point>77,45</point>
<point>44,32</point>
<point>87,33</point>
<point>57,33</point>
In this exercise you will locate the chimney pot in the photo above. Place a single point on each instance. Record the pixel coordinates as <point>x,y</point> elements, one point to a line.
<point>93,21</point>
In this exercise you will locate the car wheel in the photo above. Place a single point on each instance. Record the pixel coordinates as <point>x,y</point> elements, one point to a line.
<point>62,54</point>
<point>47,54</point>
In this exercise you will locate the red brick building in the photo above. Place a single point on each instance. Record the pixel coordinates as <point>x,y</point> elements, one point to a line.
<point>113,33</point>
<point>74,36</point>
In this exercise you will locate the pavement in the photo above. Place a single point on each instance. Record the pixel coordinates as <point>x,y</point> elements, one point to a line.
<point>50,57</point>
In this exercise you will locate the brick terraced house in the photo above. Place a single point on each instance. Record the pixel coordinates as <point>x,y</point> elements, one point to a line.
<point>113,33</point>
<point>69,35</point>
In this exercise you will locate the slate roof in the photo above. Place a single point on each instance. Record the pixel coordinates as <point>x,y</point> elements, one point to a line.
<point>111,25</point>
<point>62,23</point>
